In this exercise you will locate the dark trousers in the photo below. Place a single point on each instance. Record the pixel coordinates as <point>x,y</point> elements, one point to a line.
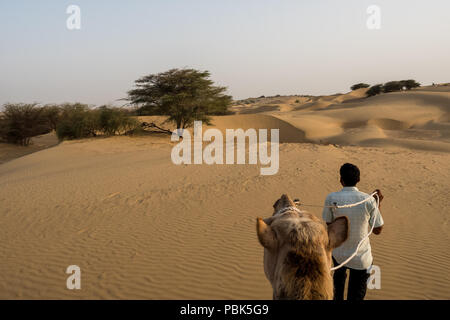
<point>357,283</point>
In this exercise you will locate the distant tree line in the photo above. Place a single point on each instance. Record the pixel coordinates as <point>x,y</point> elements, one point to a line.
<point>20,122</point>
<point>390,86</point>
<point>183,95</point>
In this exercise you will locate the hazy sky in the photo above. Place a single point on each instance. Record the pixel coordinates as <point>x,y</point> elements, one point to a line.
<point>254,47</point>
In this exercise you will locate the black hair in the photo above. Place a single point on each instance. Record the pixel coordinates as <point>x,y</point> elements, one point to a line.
<point>349,174</point>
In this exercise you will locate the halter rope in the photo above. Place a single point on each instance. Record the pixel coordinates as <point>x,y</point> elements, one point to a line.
<point>375,194</point>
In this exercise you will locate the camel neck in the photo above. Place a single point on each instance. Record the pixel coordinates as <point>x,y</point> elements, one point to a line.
<point>309,277</point>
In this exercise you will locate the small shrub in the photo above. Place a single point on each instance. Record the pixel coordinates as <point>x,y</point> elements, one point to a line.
<point>114,121</point>
<point>20,122</point>
<point>374,90</point>
<point>392,86</point>
<point>359,86</point>
<point>77,121</point>
<point>52,113</point>
<point>409,84</point>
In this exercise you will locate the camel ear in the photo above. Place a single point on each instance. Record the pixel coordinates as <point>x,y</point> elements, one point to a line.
<point>338,231</point>
<point>266,236</point>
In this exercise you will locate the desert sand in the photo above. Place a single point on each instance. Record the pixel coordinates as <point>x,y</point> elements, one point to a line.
<point>140,227</point>
<point>10,152</point>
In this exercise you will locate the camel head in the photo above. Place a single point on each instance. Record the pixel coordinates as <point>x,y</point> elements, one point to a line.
<point>297,251</point>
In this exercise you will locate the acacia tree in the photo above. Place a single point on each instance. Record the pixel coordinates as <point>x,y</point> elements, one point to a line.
<point>184,95</point>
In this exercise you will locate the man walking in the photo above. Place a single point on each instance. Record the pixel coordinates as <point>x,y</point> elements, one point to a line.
<point>361,219</point>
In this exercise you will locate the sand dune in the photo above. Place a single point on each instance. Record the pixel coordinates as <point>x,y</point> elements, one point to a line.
<point>415,120</point>
<point>288,133</point>
<point>10,152</point>
<point>260,109</point>
<point>141,227</point>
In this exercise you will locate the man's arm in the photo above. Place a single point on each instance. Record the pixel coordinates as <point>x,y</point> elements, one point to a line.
<point>327,213</point>
<point>377,230</point>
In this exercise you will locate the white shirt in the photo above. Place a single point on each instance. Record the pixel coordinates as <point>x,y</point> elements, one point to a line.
<point>361,218</point>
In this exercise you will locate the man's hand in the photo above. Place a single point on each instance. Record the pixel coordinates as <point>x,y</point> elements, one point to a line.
<point>379,194</point>
<point>378,230</point>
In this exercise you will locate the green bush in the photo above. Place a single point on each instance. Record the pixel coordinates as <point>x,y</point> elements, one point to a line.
<point>392,86</point>
<point>53,114</point>
<point>114,121</point>
<point>79,121</point>
<point>20,122</point>
<point>409,84</point>
<point>359,86</point>
<point>374,90</point>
